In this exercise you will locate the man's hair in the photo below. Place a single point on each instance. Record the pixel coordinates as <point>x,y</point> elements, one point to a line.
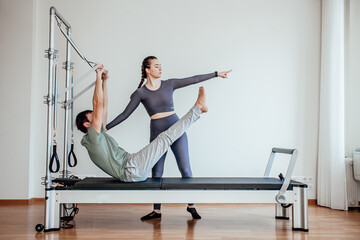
<point>81,119</point>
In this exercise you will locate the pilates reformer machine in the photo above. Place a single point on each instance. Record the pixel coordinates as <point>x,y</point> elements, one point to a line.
<point>62,193</point>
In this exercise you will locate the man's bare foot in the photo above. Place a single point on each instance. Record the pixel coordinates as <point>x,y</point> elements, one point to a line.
<point>201,101</point>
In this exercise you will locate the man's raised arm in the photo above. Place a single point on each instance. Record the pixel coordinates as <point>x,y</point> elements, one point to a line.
<point>105,76</point>
<point>98,101</point>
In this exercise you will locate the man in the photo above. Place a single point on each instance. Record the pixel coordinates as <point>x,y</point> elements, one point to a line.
<point>105,152</point>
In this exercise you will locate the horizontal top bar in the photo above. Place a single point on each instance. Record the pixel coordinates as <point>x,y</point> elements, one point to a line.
<point>283,150</point>
<point>53,11</point>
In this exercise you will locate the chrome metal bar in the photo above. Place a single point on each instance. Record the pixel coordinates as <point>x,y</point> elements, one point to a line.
<point>67,97</point>
<point>52,211</point>
<point>272,155</point>
<point>289,172</point>
<point>280,198</point>
<point>269,164</point>
<point>72,108</point>
<point>50,101</point>
<point>75,47</point>
<point>78,95</point>
<point>281,212</point>
<point>80,79</point>
<point>53,11</point>
<point>300,209</point>
<point>55,92</point>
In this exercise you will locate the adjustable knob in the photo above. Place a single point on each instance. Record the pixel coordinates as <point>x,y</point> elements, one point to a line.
<point>280,198</point>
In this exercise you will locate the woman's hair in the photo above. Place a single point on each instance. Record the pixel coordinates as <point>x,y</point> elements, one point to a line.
<point>81,118</point>
<point>145,64</point>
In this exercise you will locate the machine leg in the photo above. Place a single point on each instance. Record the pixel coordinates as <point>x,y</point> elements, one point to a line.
<point>281,212</point>
<point>52,211</point>
<point>300,209</point>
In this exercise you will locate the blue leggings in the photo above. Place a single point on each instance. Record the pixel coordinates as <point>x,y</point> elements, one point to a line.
<point>179,148</point>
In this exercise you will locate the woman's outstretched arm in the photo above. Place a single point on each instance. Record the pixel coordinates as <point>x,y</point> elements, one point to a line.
<point>183,82</point>
<point>130,108</point>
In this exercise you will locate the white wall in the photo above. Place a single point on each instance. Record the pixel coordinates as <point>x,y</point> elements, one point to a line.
<point>271,98</point>
<point>16,31</point>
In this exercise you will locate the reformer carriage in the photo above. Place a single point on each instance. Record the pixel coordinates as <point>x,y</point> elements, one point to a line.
<point>282,191</point>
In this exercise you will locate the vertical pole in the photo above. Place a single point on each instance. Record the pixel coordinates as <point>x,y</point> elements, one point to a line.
<point>52,214</point>
<point>281,212</point>
<point>67,98</point>
<point>300,209</point>
<point>50,102</point>
<point>55,81</point>
<point>66,116</point>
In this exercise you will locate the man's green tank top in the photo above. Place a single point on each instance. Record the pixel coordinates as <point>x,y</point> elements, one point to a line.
<point>106,153</point>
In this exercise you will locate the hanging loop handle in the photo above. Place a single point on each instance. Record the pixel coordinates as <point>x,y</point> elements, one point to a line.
<point>71,153</point>
<point>56,159</point>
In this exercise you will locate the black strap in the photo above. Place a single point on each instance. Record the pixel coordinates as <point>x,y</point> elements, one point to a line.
<point>57,162</point>
<point>286,205</point>
<point>74,156</point>
<point>281,176</point>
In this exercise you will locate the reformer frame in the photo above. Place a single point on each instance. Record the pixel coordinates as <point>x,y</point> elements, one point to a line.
<point>283,192</point>
<point>283,197</point>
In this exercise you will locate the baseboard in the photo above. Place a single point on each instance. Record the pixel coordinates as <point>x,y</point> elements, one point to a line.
<point>36,200</point>
<point>312,202</point>
<point>5,202</point>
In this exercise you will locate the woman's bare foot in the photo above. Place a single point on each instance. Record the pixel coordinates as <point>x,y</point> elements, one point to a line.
<point>201,101</point>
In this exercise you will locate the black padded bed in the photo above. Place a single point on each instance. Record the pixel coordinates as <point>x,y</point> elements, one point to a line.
<point>243,183</point>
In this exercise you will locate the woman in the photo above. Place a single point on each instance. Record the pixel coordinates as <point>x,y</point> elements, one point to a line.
<point>157,97</point>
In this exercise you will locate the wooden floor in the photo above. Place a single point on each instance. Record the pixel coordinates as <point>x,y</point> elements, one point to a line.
<point>220,221</point>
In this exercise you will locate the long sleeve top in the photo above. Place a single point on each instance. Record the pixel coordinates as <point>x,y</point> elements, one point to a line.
<point>157,101</point>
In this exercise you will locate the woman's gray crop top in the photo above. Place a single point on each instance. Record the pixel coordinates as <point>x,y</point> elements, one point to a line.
<point>157,101</point>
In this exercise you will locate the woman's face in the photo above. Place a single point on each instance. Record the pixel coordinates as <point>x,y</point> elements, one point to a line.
<point>155,69</point>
